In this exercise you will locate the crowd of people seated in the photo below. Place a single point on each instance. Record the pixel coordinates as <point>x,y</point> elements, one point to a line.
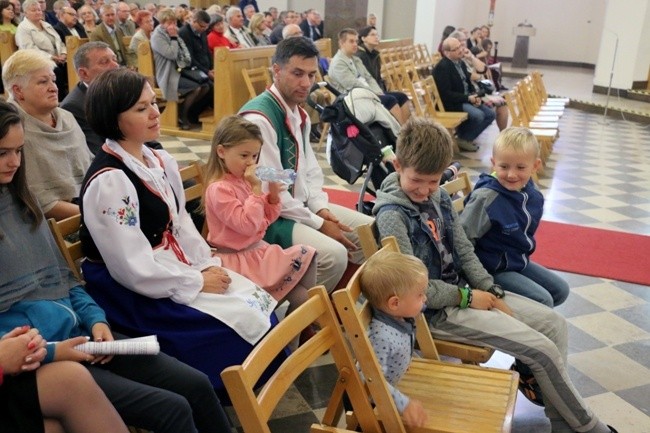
<point>148,270</point>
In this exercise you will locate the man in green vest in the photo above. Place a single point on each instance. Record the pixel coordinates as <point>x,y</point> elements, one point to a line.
<point>307,217</point>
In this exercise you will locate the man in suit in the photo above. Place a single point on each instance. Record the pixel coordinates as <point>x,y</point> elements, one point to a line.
<point>123,22</point>
<point>457,94</point>
<point>312,27</point>
<point>236,30</point>
<point>286,17</point>
<point>90,60</point>
<point>109,33</point>
<point>69,25</point>
<point>195,37</point>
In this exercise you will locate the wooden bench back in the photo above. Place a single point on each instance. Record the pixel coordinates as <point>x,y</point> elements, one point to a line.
<point>7,46</point>
<point>72,44</point>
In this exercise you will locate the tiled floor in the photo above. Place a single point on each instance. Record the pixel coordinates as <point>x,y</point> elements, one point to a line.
<point>597,176</point>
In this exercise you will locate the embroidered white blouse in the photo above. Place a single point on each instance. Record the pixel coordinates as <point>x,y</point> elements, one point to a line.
<point>115,228</point>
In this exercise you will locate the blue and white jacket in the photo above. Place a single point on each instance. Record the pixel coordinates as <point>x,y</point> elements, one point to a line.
<point>501,223</point>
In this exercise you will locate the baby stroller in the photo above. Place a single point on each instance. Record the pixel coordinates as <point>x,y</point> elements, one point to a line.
<point>355,149</point>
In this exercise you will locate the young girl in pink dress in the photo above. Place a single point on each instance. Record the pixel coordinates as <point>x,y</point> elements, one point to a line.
<point>238,214</point>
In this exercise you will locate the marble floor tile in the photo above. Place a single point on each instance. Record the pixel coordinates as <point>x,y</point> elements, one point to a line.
<point>618,413</point>
<point>610,368</point>
<point>609,328</point>
<point>607,296</point>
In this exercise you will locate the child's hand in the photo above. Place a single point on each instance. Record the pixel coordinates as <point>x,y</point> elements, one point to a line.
<point>101,332</point>
<point>500,304</point>
<point>275,188</point>
<point>482,300</point>
<point>251,177</point>
<point>414,414</point>
<point>65,351</point>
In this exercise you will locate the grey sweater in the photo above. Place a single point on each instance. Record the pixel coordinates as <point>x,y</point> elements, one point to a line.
<point>391,223</point>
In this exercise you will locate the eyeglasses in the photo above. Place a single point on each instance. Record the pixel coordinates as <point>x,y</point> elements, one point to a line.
<point>72,14</point>
<point>456,49</point>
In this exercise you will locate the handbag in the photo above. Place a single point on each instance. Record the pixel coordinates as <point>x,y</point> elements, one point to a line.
<point>196,75</point>
<point>486,86</point>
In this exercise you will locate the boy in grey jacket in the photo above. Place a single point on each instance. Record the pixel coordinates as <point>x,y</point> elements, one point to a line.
<point>464,303</point>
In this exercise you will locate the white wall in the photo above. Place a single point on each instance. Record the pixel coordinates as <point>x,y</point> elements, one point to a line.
<point>626,20</point>
<point>399,18</point>
<point>566,30</point>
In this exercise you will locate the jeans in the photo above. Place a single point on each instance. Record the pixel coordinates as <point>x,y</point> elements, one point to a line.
<point>536,283</point>
<point>478,119</point>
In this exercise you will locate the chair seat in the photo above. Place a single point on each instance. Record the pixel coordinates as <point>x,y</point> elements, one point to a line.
<point>461,398</point>
<point>543,125</point>
<point>544,132</point>
<point>543,117</point>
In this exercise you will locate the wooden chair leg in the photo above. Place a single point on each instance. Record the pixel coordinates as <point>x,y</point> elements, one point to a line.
<point>323,136</point>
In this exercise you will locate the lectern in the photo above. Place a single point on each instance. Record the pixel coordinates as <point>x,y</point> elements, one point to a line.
<point>523,31</point>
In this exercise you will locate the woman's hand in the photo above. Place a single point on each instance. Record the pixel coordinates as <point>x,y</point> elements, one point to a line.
<point>101,332</point>
<point>21,349</point>
<point>65,351</point>
<point>215,280</point>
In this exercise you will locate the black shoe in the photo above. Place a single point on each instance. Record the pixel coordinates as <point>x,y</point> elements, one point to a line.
<point>184,125</point>
<point>529,387</point>
<point>613,430</point>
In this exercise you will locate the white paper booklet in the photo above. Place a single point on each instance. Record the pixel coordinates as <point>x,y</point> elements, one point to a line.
<point>131,346</point>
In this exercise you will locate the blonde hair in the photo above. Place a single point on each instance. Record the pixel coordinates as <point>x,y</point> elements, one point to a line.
<point>425,146</point>
<point>254,23</point>
<point>230,132</point>
<point>21,65</point>
<point>517,139</point>
<point>166,15</point>
<point>389,273</point>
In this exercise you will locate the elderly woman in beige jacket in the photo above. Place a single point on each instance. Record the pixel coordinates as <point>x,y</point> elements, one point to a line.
<point>56,153</point>
<point>35,33</point>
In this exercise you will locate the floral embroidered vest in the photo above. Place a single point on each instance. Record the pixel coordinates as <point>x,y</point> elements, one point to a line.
<point>147,207</point>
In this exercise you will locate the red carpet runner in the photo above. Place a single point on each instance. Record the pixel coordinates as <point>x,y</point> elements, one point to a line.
<point>579,250</point>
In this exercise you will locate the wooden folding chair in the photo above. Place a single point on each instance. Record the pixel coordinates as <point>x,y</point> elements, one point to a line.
<point>195,172</point>
<point>257,80</point>
<point>468,354</point>
<point>540,89</point>
<point>435,110</point>
<point>458,189</point>
<point>456,397</point>
<point>254,409</point>
<point>71,250</point>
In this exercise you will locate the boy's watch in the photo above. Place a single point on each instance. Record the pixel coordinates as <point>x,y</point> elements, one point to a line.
<point>497,291</point>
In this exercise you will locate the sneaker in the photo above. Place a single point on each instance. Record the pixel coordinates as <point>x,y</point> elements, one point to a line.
<point>466,145</point>
<point>613,430</point>
<point>529,387</point>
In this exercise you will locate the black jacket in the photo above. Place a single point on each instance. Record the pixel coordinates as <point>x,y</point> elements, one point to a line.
<point>197,45</point>
<point>64,31</point>
<point>304,26</point>
<point>450,84</point>
<point>372,62</point>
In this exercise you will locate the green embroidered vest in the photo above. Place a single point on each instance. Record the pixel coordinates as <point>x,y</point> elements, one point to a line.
<point>272,109</point>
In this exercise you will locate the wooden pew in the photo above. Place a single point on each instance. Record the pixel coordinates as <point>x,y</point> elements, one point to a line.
<point>230,91</point>
<point>7,46</point>
<point>72,44</point>
<point>169,116</point>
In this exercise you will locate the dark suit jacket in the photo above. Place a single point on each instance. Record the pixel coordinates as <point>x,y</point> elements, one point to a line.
<point>64,31</point>
<point>304,26</point>
<point>75,103</point>
<point>197,46</point>
<point>101,34</point>
<point>450,84</point>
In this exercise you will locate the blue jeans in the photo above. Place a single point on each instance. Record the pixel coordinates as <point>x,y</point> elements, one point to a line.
<point>535,282</point>
<point>478,119</point>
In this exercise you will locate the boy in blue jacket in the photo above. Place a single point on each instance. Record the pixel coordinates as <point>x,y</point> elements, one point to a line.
<point>502,214</point>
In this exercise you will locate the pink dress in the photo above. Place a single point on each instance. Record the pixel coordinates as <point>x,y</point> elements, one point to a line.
<point>237,221</point>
